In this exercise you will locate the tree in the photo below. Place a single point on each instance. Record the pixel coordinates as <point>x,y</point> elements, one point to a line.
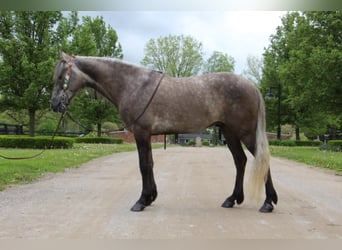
<point>27,52</point>
<point>177,56</point>
<point>65,31</point>
<point>305,57</point>
<point>254,69</point>
<point>219,62</point>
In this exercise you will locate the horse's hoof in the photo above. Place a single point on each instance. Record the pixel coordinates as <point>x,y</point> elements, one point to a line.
<point>138,207</point>
<point>228,204</point>
<point>266,208</point>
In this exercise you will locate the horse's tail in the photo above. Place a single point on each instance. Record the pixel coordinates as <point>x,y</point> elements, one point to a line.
<point>261,162</point>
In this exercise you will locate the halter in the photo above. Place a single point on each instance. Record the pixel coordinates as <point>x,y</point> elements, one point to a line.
<point>68,72</point>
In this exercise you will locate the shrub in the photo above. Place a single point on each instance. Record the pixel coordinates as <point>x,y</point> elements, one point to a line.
<point>110,126</point>
<point>38,142</point>
<point>291,143</point>
<point>288,143</point>
<point>97,140</point>
<point>309,143</point>
<point>335,145</point>
<point>192,143</point>
<point>47,126</point>
<point>205,143</point>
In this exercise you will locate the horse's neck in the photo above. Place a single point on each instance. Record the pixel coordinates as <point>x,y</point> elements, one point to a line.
<point>112,78</point>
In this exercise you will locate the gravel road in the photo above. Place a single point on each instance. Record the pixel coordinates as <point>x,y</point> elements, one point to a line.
<point>94,200</point>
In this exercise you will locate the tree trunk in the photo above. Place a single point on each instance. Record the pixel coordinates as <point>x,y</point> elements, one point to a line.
<point>99,128</point>
<point>297,134</point>
<point>32,121</point>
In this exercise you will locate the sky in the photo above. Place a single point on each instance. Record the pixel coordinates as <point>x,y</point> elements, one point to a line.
<point>237,33</point>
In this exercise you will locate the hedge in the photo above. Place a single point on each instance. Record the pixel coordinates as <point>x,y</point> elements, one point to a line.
<point>288,143</point>
<point>103,140</point>
<point>37,142</point>
<point>291,143</point>
<point>335,145</point>
<point>309,143</point>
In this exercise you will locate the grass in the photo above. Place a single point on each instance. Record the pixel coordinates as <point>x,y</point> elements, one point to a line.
<point>52,161</point>
<point>311,156</point>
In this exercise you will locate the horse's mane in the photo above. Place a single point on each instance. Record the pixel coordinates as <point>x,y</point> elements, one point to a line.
<point>59,69</point>
<point>111,60</point>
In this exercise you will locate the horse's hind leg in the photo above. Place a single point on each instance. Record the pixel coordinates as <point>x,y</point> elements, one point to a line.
<point>149,188</point>
<point>240,160</point>
<point>271,194</point>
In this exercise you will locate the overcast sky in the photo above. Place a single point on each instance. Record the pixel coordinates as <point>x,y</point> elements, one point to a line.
<point>236,33</point>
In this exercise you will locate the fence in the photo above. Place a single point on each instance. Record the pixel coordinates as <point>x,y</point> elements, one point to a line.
<point>66,134</point>
<point>14,129</point>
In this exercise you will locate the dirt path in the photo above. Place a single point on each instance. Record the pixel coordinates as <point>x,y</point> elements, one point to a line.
<point>93,201</point>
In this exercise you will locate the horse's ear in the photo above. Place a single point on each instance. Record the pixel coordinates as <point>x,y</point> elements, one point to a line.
<point>65,56</point>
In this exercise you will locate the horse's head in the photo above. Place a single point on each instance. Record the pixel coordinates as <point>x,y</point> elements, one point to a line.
<point>68,81</point>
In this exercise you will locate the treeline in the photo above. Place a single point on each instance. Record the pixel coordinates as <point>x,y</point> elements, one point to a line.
<point>304,58</point>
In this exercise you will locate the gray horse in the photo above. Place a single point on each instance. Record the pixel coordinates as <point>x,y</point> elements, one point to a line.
<point>152,103</point>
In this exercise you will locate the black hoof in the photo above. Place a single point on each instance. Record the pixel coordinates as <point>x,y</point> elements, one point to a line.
<point>266,208</point>
<point>228,204</point>
<point>138,207</point>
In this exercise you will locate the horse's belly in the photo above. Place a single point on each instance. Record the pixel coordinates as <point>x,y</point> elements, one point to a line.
<point>179,123</point>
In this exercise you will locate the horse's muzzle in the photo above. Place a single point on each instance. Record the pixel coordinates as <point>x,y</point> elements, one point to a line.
<point>60,108</point>
<point>58,104</point>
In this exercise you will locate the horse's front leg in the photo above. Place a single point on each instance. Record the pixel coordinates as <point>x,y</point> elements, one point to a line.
<point>149,188</point>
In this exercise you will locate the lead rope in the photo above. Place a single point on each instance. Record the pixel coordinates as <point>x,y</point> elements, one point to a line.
<point>78,123</point>
<point>38,154</point>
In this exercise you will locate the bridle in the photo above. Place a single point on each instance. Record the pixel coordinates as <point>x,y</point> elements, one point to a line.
<point>66,81</point>
<point>68,73</point>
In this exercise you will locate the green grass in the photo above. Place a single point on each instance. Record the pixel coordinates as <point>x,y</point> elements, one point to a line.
<point>311,156</point>
<point>52,161</point>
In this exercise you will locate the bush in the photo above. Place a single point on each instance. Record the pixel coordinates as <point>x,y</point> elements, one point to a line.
<point>205,143</point>
<point>335,145</point>
<point>192,143</point>
<point>287,143</point>
<point>38,142</point>
<point>308,143</point>
<point>97,140</point>
<point>47,127</point>
<point>291,143</point>
<point>110,126</point>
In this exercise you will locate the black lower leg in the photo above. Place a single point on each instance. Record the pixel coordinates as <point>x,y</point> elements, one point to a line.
<point>149,189</point>
<point>271,195</point>
<point>240,160</point>
<point>148,194</point>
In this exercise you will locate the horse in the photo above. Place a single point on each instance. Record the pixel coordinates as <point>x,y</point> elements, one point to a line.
<point>152,103</point>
